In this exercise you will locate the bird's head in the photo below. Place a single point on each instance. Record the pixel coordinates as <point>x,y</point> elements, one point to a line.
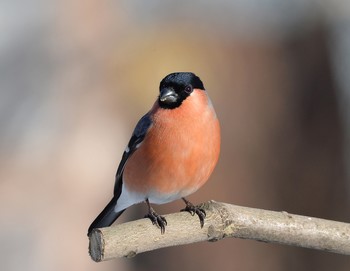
<point>176,87</point>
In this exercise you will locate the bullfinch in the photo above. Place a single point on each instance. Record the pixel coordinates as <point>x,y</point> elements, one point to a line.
<point>171,154</point>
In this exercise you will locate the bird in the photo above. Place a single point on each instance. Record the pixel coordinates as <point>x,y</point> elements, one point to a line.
<point>172,152</point>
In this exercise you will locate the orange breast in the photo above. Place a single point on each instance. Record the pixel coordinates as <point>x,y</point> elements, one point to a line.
<point>179,152</point>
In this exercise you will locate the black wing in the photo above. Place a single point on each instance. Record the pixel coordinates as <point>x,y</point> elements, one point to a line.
<point>136,139</point>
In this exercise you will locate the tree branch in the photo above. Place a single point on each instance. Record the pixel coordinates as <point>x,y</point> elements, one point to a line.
<point>223,220</point>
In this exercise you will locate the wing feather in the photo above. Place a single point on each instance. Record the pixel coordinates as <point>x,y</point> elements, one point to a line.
<point>136,139</point>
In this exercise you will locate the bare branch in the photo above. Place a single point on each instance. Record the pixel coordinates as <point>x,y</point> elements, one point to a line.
<point>223,220</point>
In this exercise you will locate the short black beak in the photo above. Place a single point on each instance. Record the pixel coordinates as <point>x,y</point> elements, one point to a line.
<point>168,95</point>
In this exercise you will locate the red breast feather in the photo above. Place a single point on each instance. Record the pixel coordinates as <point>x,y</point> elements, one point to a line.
<point>179,152</point>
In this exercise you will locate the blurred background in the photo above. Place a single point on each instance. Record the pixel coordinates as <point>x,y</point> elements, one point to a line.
<point>75,77</point>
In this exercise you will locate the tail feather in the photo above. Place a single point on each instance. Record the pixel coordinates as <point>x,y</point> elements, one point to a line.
<point>106,217</point>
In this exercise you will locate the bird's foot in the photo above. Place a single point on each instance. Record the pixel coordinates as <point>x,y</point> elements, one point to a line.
<point>192,209</point>
<point>156,219</point>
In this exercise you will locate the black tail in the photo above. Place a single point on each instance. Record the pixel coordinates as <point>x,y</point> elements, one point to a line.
<point>106,217</point>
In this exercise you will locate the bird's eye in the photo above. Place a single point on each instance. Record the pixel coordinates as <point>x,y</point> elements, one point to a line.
<point>188,89</point>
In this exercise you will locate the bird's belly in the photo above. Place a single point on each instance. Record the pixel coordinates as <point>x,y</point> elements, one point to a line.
<point>167,175</point>
<point>177,169</point>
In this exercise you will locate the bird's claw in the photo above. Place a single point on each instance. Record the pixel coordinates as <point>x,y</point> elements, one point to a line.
<point>192,209</point>
<point>158,220</point>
